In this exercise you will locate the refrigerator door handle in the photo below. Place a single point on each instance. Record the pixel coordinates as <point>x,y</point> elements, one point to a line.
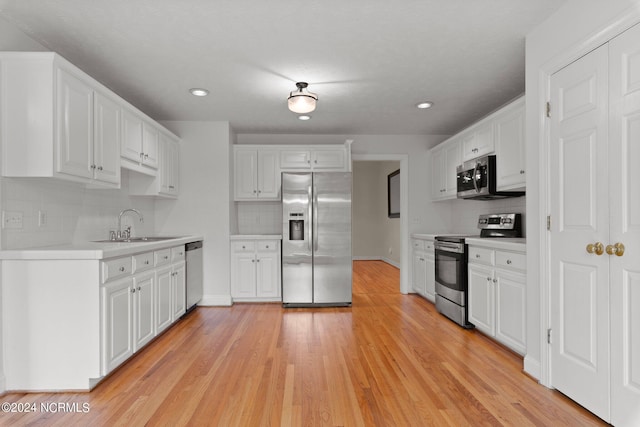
<point>315,218</point>
<point>309,217</point>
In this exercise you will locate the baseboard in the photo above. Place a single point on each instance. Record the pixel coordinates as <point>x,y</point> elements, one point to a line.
<point>216,300</point>
<point>532,367</point>
<point>3,385</point>
<point>377,258</point>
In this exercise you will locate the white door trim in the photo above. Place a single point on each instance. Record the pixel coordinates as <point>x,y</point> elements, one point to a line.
<point>404,209</point>
<point>598,38</point>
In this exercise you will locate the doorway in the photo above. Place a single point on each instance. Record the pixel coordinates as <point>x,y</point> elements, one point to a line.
<point>375,235</point>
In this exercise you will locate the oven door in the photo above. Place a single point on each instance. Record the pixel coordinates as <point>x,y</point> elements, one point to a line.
<point>451,275</point>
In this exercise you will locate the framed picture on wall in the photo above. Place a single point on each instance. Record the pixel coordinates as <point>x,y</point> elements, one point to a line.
<point>393,194</point>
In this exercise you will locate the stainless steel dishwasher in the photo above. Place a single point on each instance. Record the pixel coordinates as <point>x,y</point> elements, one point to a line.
<point>194,274</point>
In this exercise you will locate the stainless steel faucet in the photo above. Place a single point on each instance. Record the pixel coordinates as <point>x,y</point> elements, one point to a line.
<point>127,233</point>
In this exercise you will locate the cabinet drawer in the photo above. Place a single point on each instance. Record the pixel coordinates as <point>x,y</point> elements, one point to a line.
<point>177,254</point>
<point>482,255</point>
<point>429,246</point>
<point>267,245</point>
<point>142,262</point>
<point>511,260</point>
<point>243,246</point>
<point>114,268</point>
<point>418,245</point>
<point>162,256</point>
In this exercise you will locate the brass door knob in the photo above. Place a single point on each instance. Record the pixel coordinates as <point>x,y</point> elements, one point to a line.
<point>595,248</point>
<point>617,249</point>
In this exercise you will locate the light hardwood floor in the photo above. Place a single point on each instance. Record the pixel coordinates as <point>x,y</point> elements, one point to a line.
<point>390,360</point>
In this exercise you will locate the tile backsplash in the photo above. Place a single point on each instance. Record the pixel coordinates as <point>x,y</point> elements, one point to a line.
<point>72,213</point>
<point>259,217</point>
<point>464,213</point>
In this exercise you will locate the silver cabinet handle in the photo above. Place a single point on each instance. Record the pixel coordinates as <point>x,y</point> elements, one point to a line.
<point>258,260</point>
<point>99,168</point>
<point>495,280</point>
<point>146,262</point>
<point>121,269</point>
<point>93,166</point>
<point>133,290</point>
<point>477,255</point>
<point>488,279</point>
<point>508,261</point>
<point>267,246</point>
<point>166,257</point>
<point>139,288</point>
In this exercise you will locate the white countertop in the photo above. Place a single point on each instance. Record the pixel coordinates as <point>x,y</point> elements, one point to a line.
<point>425,236</point>
<point>506,243</point>
<point>256,237</point>
<point>93,250</point>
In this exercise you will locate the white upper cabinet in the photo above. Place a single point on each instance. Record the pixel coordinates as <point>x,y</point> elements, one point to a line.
<point>444,161</point>
<point>57,121</point>
<point>314,158</point>
<point>501,133</point>
<point>256,174</point>
<point>140,143</point>
<point>478,142</point>
<point>164,184</point>
<point>510,147</point>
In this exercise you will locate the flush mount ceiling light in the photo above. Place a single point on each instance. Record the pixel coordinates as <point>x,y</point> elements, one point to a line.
<point>197,91</point>
<point>424,105</point>
<point>302,101</point>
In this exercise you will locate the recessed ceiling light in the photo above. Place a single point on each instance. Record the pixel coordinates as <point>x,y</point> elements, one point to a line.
<point>304,117</point>
<point>425,104</point>
<point>197,91</point>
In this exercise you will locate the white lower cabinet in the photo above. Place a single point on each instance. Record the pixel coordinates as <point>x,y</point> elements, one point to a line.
<point>497,295</point>
<point>117,301</point>
<point>255,270</point>
<point>143,309</point>
<point>424,268</point>
<point>164,309</point>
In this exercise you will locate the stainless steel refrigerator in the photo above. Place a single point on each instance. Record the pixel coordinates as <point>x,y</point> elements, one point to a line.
<point>316,239</point>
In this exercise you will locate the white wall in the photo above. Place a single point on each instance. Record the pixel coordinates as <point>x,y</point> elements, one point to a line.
<point>204,206</point>
<point>12,39</point>
<point>576,28</point>
<point>375,235</point>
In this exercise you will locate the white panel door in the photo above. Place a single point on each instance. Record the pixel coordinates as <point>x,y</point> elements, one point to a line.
<point>510,149</point>
<point>131,138</point>
<point>453,158</point>
<point>624,158</point>
<point>430,265</point>
<point>75,126</point>
<point>179,290</point>
<point>117,309</point>
<point>150,145</point>
<point>243,275</point>
<point>419,273</point>
<point>579,217</point>
<point>106,147</point>
<point>511,309</point>
<point>144,313</point>
<point>268,174</point>
<point>481,299</point>
<point>164,306</point>
<point>267,282</point>
<point>245,175</point>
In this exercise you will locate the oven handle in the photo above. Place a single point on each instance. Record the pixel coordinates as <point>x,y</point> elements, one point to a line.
<point>448,248</point>
<point>475,170</point>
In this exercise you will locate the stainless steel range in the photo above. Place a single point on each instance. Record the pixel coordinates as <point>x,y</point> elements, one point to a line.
<point>451,264</point>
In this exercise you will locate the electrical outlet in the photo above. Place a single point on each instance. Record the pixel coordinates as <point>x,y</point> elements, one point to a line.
<point>12,220</point>
<point>42,218</point>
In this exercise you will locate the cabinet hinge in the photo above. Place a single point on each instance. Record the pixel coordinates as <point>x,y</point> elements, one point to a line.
<point>549,336</point>
<point>549,222</point>
<point>548,109</point>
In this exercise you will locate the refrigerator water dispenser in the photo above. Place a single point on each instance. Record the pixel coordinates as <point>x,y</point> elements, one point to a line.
<point>296,226</point>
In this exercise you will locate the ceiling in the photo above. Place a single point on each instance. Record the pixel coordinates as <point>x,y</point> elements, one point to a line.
<point>369,61</point>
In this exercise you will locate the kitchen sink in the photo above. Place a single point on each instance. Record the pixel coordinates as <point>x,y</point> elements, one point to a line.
<point>138,239</point>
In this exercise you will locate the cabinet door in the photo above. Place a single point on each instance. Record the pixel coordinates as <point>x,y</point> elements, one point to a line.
<point>169,165</point>
<point>430,291</point>
<point>511,310</point>
<point>164,306</point>
<point>481,299</point>
<point>117,311</point>
<point>325,160</point>
<point>131,139</point>
<point>510,150</point>
<point>245,172</point>
<point>295,159</point>
<point>243,275</point>
<point>150,142</point>
<point>267,274</point>
<point>75,126</point>
<point>106,141</point>
<point>419,273</point>
<point>178,285</point>
<point>144,313</point>
<point>452,160</point>
<point>437,174</point>
<point>268,175</point>
<point>479,142</point>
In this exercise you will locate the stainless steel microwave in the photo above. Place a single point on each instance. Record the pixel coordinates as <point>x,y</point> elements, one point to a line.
<point>476,179</point>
